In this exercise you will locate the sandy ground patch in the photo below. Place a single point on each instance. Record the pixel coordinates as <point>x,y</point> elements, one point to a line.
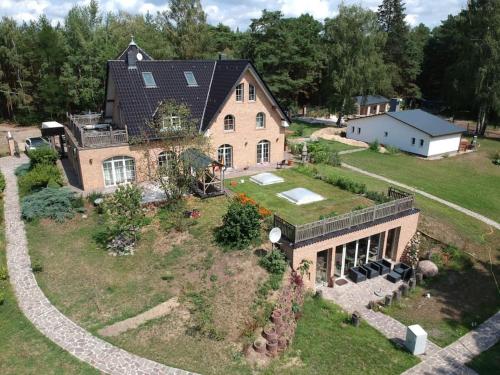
<point>333,134</point>
<point>20,133</point>
<point>156,312</point>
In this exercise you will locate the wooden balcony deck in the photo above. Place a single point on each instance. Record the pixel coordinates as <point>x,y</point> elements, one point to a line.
<point>88,138</point>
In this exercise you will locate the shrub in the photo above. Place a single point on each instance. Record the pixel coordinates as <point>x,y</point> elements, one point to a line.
<point>296,149</point>
<point>300,131</point>
<point>275,281</point>
<point>39,177</point>
<point>2,297</point>
<point>377,197</point>
<point>392,150</point>
<point>274,262</point>
<point>22,169</point>
<point>326,216</point>
<point>375,145</point>
<point>52,203</point>
<point>173,216</point>
<point>2,182</point>
<point>36,265</point>
<point>213,278</point>
<point>456,259</point>
<point>495,158</point>
<point>240,226</point>
<point>43,155</point>
<point>4,275</point>
<point>123,219</point>
<point>91,198</point>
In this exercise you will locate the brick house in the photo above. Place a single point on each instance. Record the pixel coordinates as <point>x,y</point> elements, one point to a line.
<point>227,98</point>
<point>370,105</point>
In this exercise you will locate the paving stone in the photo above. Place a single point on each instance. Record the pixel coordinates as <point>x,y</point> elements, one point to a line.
<point>48,319</point>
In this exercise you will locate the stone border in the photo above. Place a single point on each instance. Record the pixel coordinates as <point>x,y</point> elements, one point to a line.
<point>45,317</point>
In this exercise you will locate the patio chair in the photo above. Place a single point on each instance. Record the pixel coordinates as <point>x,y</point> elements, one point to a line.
<point>404,270</point>
<point>357,274</point>
<point>371,272</point>
<point>281,164</point>
<point>382,268</point>
<point>393,277</point>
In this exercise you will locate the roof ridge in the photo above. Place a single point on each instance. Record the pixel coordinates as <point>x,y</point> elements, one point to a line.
<point>208,95</point>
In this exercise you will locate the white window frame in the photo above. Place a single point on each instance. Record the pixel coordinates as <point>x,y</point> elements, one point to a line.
<point>226,123</point>
<point>225,155</point>
<point>263,152</point>
<point>164,158</point>
<point>117,165</point>
<point>240,93</point>
<point>252,93</point>
<point>190,79</point>
<point>173,123</point>
<point>260,120</point>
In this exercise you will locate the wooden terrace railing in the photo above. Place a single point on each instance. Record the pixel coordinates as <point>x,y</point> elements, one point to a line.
<point>94,138</point>
<point>304,232</point>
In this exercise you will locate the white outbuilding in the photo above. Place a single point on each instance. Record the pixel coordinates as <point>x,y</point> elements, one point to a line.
<point>413,131</point>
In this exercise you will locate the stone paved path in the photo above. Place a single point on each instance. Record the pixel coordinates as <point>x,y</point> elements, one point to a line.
<point>46,318</point>
<point>466,211</point>
<point>355,297</point>
<point>451,360</point>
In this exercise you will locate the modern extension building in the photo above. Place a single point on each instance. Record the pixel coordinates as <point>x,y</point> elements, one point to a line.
<point>228,99</point>
<point>414,131</point>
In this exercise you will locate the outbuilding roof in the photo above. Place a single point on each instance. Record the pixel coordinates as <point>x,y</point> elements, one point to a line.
<point>138,102</point>
<point>424,121</point>
<point>370,99</point>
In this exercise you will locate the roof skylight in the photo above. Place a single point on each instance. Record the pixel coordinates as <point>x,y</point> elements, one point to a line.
<point>148,78</point>
<point>190,78</point>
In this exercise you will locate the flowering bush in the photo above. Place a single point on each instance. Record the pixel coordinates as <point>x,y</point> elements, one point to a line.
<point>244,199</point>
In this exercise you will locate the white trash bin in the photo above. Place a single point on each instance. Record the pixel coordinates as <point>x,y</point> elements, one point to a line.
<point>416,339</point>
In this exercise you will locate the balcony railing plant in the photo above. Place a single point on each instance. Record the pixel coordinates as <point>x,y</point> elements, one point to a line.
<point>401,202</point>
<point>94,138</point>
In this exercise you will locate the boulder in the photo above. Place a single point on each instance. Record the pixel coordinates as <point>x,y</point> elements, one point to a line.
<point>428,268</point>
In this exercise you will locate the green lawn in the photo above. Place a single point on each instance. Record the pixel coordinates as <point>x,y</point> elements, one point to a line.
<point>470,180</point>
<point>334,146</point>
<point>337,200</point>
<point>325,344</point>
<point>487,362</point>
<point>24,350</point>
<point>307,129</point>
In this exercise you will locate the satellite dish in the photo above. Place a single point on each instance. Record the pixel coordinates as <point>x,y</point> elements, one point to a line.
<point>139,56</point>
<point>275,235</point>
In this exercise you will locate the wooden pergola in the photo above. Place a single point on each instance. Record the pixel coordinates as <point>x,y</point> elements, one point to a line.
<point>208,173</point>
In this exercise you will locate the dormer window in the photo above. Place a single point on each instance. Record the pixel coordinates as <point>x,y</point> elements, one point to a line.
<point>171,123</point>
<point>251,93</point>
<point>190,78</point>
<point>240,92</point>
<point>148,78</point>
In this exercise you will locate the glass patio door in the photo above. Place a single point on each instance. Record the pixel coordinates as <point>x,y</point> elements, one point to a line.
<point>263,148</point>
<point>118,170</point>
<point>322,267</point>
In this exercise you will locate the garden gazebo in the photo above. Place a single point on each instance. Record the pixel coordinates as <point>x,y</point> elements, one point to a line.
<point>208,173</point>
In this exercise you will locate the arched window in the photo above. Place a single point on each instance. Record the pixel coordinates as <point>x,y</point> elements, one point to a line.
<point>164,158</point>
<point>260,120</point>
<point>225,155</point>
<point>263,151</point>
<point>229,123</point>
<point>118,170</point>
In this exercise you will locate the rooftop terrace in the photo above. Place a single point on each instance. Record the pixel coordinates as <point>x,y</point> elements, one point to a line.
<point>336,200</point>
<point>90,131</point>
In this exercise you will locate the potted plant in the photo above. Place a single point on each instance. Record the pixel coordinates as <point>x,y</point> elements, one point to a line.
<point>269,333</point>
<point>296,310</point>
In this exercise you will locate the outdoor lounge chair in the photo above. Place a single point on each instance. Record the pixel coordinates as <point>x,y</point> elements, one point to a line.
<point>404,270</point>
<point>371,272</point>
<point>393,277</point>
<point>357,274</point>
<point>383,269</point>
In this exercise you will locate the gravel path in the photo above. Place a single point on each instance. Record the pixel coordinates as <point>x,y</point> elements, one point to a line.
<point>466,211</point>
<point>46,318</point>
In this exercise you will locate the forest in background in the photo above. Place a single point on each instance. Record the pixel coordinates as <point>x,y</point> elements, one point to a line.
<point>47,70</point>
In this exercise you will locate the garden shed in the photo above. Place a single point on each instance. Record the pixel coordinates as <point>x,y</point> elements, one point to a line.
<point>208,174</point>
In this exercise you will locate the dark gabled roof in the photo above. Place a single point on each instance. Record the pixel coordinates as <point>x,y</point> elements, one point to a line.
<point>138,103</point>
<point>370,99</point>
<point>226,75</point>
<point>430,124</point>
<point>215,78</point>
